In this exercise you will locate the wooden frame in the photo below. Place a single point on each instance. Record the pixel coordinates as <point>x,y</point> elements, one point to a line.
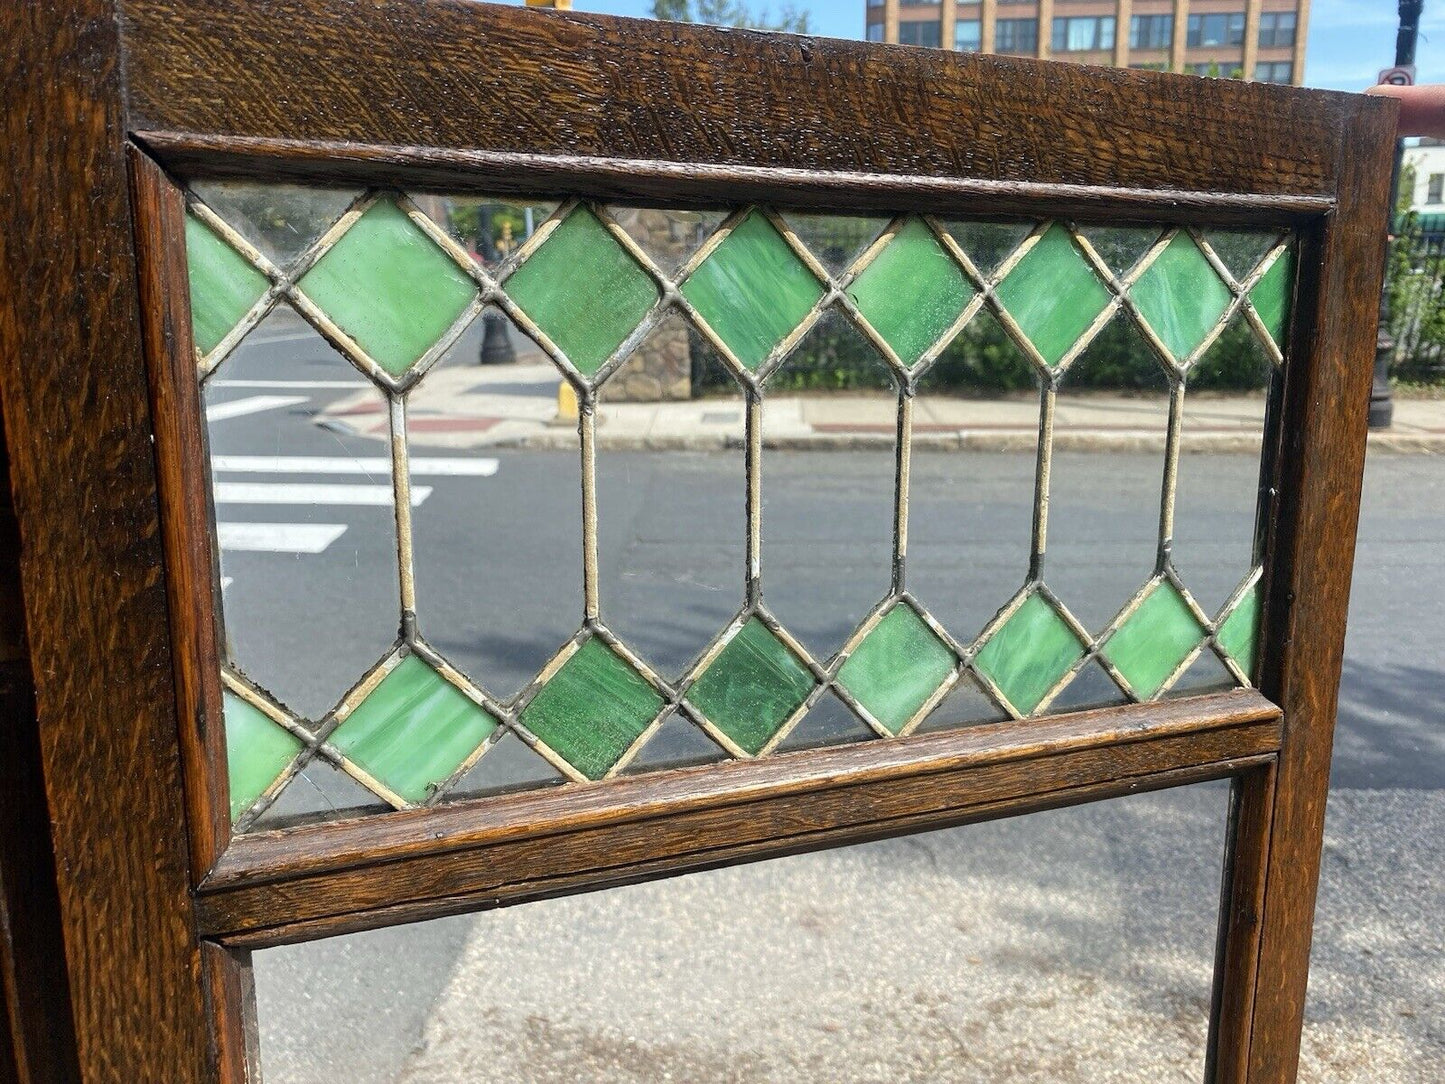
<point>157,910</point>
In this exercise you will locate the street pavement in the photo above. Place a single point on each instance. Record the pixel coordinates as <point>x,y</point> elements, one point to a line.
<point>1073,945</point>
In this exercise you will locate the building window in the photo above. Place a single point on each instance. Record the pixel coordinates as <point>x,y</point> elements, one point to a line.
<point>1151,31</point>
<point>1216,29</point>
<point>875,3</point>
<point>1085,34</point>
<point>1016,36</point>
<point>1276,28</point>
<point>926,32</point>
<point>1274,71</point>
<point>1436,190</point>
<point>966,36</point>
<point>875,31</point>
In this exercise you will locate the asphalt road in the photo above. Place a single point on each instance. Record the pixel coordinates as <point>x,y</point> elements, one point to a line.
<point>499,589</point>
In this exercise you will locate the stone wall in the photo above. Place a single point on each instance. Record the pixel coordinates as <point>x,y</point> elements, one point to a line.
<point>661,368</point>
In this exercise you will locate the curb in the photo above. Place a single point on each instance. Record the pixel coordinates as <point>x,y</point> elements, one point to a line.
<point>564,438</point>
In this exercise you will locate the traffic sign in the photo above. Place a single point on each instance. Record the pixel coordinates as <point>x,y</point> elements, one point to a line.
<point>1402,76</point>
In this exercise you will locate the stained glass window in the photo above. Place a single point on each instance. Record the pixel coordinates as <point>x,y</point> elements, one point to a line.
<point>731,316</point>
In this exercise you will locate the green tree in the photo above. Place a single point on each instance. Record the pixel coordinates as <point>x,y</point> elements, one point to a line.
<point>731,13</point>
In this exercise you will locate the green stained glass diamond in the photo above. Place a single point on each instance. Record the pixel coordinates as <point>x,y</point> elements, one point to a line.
<point>1271,295</point>
<point>1053,294</point>
<point>899,665</point>
<point>753,686</point>
<point>1181,295</point>
<point>413,730</point>
<point>224,285</point>
<point>389,287</point>
<point>912,292</point>
<point>257,751</point>
<point>583,290</point>
<point>1239,634</point>
<point>753,290</point>
<point>1029,653</point>
<point>592,709</point>
<point>1154,640</point>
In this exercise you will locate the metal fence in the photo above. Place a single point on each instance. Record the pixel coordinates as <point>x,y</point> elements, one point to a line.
<point>1417,299</point>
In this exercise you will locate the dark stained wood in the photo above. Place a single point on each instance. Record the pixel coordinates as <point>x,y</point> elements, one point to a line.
<point>82,475</point>
<point>508,849</point>
<point>774,846</point>
<point>467,96</point>
<point>37,1034</point>
<point>181,459</point>
<point>676,184</point>
<point>278,855</point>
<point>1241,905</point>
<point>1312,555</point>
<point>231,1000</point>
<point>454,75</point>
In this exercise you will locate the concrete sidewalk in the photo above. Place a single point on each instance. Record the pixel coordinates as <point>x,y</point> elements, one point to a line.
<point>472,407</point>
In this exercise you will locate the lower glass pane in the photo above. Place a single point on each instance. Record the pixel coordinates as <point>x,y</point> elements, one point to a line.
<point>1073,945</point>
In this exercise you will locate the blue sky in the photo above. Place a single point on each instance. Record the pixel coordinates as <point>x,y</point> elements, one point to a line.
<point>1350,40</point>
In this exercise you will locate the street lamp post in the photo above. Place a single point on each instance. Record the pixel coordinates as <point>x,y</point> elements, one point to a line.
<point>1382,408</point>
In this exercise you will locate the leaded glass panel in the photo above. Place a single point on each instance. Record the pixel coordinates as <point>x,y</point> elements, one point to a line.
<point>942,381</point>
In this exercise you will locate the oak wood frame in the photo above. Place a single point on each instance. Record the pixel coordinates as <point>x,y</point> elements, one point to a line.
<point>157,910</point>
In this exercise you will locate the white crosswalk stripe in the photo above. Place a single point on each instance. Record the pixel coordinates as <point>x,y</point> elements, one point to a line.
<point>278,537</point>
<point>315,538</point>
<point>252,404</point>
<point>453,466</point>
<point>312,493</point>
<point>354,385</point>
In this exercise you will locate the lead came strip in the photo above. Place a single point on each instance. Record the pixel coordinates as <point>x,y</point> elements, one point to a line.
<point>390,289</point>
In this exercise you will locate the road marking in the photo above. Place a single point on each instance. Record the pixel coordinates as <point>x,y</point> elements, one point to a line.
<point>309,493</point>
<point>278,537</point>
<point>254,404</point>
<point>448,467</point>
<point>261,336</point>
<point>352,385</point>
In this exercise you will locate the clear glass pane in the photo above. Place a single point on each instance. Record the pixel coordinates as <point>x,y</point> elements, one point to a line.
<point>830,419</point>
<point>1111,429</point>
<point>494,435</point>
<point>304,510</point>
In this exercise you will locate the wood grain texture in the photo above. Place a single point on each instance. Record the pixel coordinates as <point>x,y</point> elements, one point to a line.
<point>433,93</point>
<point>82,475</point>
<point>678,184</point>
<point>1312,548</point>
<point>231,1000</point>
<point>1241,906</point>
<point>186,515</point>
<point>37,1034</point>
<point>453,75</point>
<point>403,866</point>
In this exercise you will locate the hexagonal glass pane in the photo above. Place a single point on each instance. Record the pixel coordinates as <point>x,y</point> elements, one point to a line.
<point>671,498</point>
<point>492,432</point>
<point>305,515</point>
<point>830,420</point>
<point>971,482</point>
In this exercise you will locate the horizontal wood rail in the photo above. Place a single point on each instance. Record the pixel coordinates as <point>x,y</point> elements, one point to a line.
<point>311,881</point>
<point>450,76</point>
<point>663,183</point>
